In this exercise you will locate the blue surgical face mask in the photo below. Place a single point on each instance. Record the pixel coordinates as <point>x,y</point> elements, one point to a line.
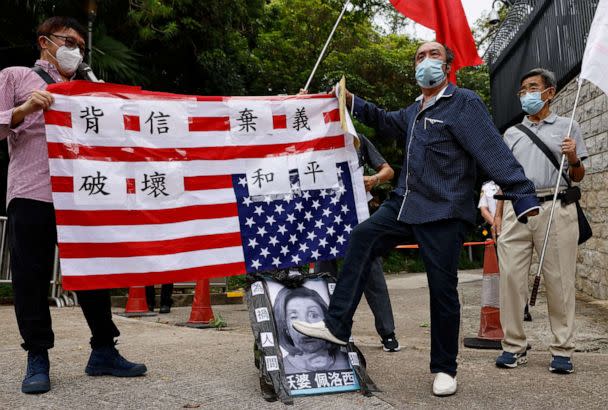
<point>532,102</point>
<point>429,73</point>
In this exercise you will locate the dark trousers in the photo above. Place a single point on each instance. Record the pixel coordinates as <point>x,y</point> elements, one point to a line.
<point>166,291</point>
<point>440,245</point>
<point>32,236</point>
<point>376,294</point>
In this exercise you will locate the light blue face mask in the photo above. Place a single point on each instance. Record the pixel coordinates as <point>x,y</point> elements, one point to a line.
<point>532,103</point>
<point>429,73</point>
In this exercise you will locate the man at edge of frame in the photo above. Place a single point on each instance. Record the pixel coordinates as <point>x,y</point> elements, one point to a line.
<point>32,231</point>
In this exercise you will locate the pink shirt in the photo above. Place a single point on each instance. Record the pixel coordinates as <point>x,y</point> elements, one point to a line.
<point>28,169</point>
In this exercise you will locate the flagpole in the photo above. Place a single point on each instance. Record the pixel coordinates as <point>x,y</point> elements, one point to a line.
<point>314,70</point>
<point>559,178</point>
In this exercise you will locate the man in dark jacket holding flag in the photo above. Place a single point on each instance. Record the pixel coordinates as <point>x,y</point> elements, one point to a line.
<point>445,133</point>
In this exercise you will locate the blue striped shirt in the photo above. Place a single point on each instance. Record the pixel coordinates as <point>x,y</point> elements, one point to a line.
<point>443,143</point>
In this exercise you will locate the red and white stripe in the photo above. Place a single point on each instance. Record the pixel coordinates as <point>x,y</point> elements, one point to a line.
<point>197,237</point>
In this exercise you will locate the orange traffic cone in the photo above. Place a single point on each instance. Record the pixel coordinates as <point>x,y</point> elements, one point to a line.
<point>202,315</point>
<point>136,303</point>
<point>490,330</point>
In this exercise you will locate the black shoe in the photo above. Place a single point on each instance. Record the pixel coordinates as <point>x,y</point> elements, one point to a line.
<point>37,375</point>
<point>390,343</point>
<point>165,309</point>
<point>561,364</point>
<point>107,360</point>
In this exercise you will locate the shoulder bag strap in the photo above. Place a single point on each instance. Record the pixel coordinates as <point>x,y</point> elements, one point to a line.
<point>43,74</point>
<point>541,145</point>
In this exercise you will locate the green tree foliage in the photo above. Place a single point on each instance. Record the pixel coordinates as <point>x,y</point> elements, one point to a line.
<point>198,47</point>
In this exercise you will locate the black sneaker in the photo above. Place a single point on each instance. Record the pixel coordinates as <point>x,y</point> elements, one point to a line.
<point>562,365</point>
<point>390,343</point>
<point>508,360</point>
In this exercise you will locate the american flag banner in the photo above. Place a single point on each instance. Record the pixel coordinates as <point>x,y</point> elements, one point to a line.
<point>153,188</point>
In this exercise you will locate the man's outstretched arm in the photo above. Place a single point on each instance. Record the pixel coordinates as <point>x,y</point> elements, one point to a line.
<point>477,134</point>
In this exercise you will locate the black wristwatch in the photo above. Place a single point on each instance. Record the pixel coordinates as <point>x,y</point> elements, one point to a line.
<point>577,164</point>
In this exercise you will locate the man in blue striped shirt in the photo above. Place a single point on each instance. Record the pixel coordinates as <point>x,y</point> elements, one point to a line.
<point>446,133</point>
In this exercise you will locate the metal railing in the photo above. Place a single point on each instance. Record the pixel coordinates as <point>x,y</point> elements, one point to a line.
<point>58,295</point>
<point>536,33</point>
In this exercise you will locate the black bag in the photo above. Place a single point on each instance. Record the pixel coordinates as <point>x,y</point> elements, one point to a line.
<point>571,194</point>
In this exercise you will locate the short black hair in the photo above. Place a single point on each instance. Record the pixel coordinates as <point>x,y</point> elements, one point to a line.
<point>53,24</point>
<point>449,54</point>
<point>547,76</point>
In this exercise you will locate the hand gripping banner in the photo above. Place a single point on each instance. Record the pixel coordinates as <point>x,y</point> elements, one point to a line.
<point>156,187</point>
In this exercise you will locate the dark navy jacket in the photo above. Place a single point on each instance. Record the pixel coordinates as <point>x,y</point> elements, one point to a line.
<point>443,144</point>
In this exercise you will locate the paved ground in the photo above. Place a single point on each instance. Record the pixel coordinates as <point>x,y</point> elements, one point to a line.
<point>191,368</point>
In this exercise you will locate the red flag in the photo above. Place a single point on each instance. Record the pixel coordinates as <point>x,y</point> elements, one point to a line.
<point>451,27</point>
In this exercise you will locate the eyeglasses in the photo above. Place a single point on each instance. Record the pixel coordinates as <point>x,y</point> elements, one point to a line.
<point>532,89</point>
<point>71,42</point>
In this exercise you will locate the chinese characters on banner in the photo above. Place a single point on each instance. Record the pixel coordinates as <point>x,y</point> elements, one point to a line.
<point>155,187</point>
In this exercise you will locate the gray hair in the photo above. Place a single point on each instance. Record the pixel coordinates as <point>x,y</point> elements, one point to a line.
<point>547,76</point>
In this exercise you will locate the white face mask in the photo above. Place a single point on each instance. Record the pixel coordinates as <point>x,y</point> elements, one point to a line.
<point>68,59</point>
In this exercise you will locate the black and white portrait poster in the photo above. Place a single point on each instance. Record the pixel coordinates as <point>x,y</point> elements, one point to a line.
<point>312,366</point>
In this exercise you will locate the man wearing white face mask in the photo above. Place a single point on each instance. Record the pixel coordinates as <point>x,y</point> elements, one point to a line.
<point>445,134</point>
<point>31,216</point>
<point>515,241</point>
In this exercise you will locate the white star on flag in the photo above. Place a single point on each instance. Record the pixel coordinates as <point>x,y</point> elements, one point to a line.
<point>249,222</point>
<point>333,251</point>
<point>255,264</point>
<point>247,201</point>
<point>262,231</point>
<point>264,252</point>
<point>253,243</point>
<point>258,210</point>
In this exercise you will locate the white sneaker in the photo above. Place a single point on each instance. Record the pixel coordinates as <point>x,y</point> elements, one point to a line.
<point>444,385</point>
<point>317,330</point>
